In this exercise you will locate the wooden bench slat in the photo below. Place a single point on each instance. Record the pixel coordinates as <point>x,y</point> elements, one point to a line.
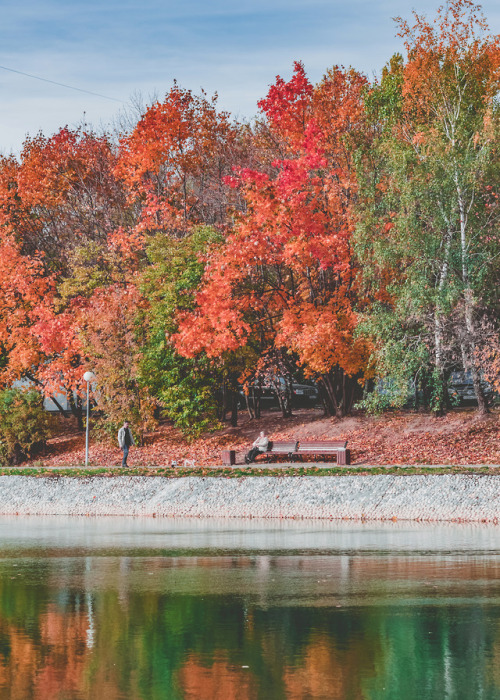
<point>322,446</point>
<point>281,447</point>
<point>325,448</point>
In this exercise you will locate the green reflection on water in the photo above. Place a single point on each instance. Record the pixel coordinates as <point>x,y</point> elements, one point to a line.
<point>249,626</point>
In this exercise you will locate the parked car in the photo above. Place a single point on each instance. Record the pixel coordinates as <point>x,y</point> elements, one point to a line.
<point>461,388</point>
<point>303,395</point>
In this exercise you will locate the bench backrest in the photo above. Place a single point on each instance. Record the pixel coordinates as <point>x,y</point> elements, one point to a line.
<point>322,445</point>
<point>282,447</point>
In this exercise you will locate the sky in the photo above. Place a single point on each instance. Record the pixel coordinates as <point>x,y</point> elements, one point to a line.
<point>130,52</point>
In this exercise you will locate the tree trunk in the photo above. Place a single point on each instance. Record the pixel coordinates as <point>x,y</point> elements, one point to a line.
<point>53,398</point>
<point>333,400</point>
<point>438,401</point>
<point>284,394</point>
<point>439,389</point>
<point>221,402</point>
<point>338,392</point>
<point>324,397</point>
<point>482,405</point>
<point>253,401</point>
<point>249,403</point>
<point>230,400</point>
<point>234,408</point>
<point>76,409</point>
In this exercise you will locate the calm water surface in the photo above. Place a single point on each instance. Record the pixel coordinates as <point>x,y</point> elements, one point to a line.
<point>108,608</point>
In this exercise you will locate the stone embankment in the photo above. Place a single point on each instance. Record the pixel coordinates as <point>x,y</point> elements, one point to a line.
<point>459,497</point>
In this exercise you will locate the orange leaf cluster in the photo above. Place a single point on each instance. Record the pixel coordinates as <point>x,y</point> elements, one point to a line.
<point>286,273</point>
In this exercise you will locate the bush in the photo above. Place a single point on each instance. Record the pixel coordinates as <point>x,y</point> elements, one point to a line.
<point>24,425</point>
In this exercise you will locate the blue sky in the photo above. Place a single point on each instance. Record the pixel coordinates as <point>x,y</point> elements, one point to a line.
<point>124,48</point>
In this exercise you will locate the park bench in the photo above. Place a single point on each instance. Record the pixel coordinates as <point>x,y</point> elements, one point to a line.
<point>276,447</point>
<point>294,449</point>
<point>324,448</point>
<point>279,447</point>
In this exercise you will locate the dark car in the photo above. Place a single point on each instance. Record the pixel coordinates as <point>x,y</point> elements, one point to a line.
<point>461,388</point>
<point>303,395</point>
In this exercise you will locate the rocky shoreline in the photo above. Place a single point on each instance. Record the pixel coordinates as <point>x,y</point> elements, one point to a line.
<point>454,497</point>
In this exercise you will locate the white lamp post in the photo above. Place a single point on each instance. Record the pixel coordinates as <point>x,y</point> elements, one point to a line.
<point>88,377</point>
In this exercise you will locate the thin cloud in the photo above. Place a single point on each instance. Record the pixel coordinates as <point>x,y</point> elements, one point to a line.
<point>118,48</point>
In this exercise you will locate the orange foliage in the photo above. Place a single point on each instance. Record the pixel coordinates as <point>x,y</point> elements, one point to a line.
<point>65,194</point>
<point>53,167</point>
<point>445,58</point>
<point>286,273</point>
<point>284,282</point>
<point>110,332</point>
<point>173,161</point>
<point>23,288</point>
<point>59,196</point>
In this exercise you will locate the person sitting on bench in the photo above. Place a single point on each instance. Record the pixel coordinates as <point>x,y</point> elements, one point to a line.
<point>259,445</point>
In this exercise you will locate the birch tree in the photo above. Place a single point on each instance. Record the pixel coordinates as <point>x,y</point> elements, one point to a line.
<point>431,207</point>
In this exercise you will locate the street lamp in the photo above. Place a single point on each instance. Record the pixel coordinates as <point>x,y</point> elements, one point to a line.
<point>88,377</point>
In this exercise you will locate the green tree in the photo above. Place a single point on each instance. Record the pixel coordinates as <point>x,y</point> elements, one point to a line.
<point>24,425</point>
<point>427,220</point>
<point>187,389</point>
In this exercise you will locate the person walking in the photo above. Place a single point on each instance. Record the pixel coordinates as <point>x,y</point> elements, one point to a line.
<point>125,440</point>
<point>259,445</point>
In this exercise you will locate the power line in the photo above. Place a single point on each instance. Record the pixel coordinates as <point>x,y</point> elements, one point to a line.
<point>53,82</point>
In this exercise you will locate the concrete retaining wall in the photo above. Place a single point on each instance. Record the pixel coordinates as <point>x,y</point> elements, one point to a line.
<point>469,498</point>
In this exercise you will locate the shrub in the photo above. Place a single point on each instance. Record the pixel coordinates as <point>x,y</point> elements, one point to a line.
<point>24,425</point>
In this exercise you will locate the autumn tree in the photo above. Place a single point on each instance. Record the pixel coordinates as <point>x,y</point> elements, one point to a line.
<point>429,216</point>
<point>284,282</point>
<point>24,287</point>
<point>173,162</point>
<point>111,330</point>
<point>59,196</point>
<point>75,213</point>
<point>66,194</point>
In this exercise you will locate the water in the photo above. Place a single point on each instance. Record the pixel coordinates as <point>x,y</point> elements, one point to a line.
<point>149,608</point>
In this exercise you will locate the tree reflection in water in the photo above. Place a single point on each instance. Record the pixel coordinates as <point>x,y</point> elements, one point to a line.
<point>242,626</point>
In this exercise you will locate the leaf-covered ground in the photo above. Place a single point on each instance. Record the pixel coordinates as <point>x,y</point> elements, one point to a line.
<point>460,438</point>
